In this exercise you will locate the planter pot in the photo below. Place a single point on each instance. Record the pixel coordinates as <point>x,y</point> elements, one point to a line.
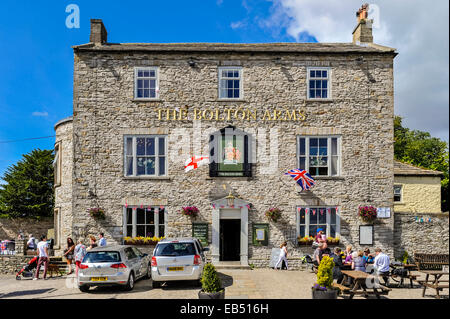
<point>211,295</point>
<point>328,294</point>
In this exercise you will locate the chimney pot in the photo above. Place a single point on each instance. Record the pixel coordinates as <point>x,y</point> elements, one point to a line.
<point>363,30</point>
<point>98,32</point>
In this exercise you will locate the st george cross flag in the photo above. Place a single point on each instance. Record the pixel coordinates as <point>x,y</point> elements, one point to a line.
<point>302,178</point>
<point>194,162</point>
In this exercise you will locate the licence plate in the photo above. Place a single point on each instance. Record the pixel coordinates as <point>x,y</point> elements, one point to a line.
<point>99,278</point>
<point>175,268</point>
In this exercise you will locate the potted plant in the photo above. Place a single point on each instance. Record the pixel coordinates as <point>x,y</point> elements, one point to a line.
<point>211,284</point>
<point>97,212</point>
<point>367,213</point>
<point>305,240</point>
<point>323,289</point>
<point>273,214</point>
<point>191,211</point>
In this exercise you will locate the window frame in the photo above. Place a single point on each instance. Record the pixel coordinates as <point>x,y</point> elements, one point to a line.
<point>329,155</point>
<point>134,223</point>
<point>57,162</point>
<point>329,88</point>
<point>134,155</point>
<point>328,220</point>
<point>401,194</point>
<point>241,79</point>
<point>146,68</point>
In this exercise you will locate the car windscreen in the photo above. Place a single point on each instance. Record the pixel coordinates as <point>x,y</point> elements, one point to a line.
<point>175,249</point>
<point>102,257</point>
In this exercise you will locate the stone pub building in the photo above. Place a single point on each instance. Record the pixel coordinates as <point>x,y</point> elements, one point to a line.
<point>258,110</point>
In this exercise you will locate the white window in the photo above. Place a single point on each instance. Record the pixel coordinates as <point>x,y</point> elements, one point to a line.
<point>397,193</point>
<point>230,83</point>
<point>146,83</point>
<point>319,155</point>
<point>145,221</point>
<point>145,155</point>
<point>312,218</point>
<point>57,165</point>
<point>318,80</point>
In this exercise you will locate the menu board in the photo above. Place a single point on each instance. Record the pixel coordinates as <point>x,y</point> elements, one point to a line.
<point>200,231</point>
<point>260,234</point>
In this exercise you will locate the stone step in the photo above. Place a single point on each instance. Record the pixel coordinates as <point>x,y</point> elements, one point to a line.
<point>226,265</point>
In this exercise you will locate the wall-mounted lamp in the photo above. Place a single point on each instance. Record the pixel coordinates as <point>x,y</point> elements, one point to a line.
<point>230,200</point>
<point>192,63</point>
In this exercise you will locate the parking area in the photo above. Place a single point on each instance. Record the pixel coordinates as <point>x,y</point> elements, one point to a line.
<point>240,284</point>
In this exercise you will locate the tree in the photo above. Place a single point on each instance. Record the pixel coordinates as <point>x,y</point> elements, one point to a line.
<point>421,149</point>
<point>28,188</point>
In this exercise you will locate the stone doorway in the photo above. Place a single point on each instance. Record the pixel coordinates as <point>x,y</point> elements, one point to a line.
<point>230,230</point>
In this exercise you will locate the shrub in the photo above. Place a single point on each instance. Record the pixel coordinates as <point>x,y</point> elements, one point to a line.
<point>210,279</point>
<point>325,273</point>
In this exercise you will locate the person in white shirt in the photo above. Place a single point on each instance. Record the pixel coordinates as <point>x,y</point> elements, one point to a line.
<point>102,240</point>
<point>42,248</point>
<point>381,264</point>
<point>283,256</point>
<point>30,243</point>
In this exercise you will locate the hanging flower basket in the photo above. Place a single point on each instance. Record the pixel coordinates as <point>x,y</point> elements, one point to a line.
<point>96,212</point>
<point>273,214</point>
<point>367,213</point>
<point>191,211</point>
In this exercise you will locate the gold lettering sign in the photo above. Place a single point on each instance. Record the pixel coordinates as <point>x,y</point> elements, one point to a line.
<point>228,114</point>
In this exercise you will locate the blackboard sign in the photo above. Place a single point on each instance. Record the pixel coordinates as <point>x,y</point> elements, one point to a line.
<point>260,234</point>
<point>200,231</point>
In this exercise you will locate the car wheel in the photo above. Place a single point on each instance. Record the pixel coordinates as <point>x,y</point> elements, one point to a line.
<point>156,284</point>
<point>84,288</point>
<point>130,283</point>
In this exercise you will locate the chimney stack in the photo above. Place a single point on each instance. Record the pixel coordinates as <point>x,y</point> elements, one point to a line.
<point>98,32</point>
<point>363,30</point>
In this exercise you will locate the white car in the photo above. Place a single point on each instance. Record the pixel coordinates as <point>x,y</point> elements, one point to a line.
<point>177,259</point>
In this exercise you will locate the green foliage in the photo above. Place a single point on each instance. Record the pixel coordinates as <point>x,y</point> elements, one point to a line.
<point>28,188</point>
<point>325,272</point>
<point>420,149</point>
<point>210,279</point>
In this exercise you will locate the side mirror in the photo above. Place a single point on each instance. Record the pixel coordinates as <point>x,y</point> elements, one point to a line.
<point>206,249</point>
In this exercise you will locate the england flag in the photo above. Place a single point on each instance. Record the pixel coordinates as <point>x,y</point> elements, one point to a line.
<point>194,162</point>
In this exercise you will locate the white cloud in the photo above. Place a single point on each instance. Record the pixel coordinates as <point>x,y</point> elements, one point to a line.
<point>40,114</point>
<point>418,29</point>
<point>237,24</point>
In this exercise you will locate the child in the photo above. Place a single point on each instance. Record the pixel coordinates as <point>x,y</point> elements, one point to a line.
<point>283,256</point>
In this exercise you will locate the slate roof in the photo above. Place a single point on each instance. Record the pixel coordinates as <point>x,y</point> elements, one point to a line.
<point>403,169</point>
<point>240,47</point>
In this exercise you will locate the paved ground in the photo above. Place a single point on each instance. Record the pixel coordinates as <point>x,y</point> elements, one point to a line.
<point>240,284</point>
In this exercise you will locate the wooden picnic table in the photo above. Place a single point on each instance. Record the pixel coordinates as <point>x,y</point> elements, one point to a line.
<point>410,276</point>
<point>359,286</point>
<point>437,283</point>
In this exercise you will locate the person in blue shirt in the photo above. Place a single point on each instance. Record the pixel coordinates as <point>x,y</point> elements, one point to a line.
<point>381,264</point>
<point>102,240</point>
<point>368,257</point>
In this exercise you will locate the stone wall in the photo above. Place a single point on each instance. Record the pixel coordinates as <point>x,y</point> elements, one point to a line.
<point>427,237</point>
<point>10,264</point>
<point>419,194</point>
<point>11,227</point>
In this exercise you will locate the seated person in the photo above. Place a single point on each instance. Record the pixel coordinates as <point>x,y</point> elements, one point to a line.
<point>337,273</point>
<point>324,251</point>
<point>315,256</point>
<point>358,262</point>
<point>381,264</point>
<point>31,245</point>
<point>368,257</point>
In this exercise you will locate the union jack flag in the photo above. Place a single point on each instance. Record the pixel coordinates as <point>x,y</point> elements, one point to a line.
<point>302,178</point>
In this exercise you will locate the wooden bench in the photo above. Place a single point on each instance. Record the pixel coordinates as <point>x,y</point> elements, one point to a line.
<point>431,261</point>
<point>342,288</point>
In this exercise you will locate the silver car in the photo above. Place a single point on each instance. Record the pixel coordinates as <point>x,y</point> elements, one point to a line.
<point>177,259</point>
<point>113,265</point>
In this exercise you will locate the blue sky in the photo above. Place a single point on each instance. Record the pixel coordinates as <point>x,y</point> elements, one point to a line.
<point>36,59</point>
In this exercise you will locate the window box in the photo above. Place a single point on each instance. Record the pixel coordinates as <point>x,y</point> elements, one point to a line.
<point>142,241</point>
